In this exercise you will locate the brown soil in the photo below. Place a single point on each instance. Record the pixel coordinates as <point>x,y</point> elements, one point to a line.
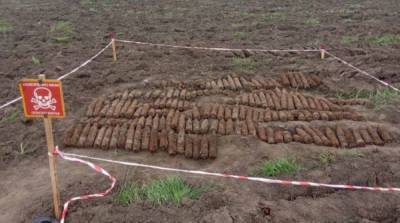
<point>25,190</point>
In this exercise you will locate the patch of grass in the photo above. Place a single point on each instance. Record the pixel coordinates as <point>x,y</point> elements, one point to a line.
<point>378,98</point>
<point>345,40</point>
<point>240,35</point>
<point>312,22</point>
<point>247,14</point>
<point>62,32</point>
<point>244,64</point>
<point>327,158</point>
<point>168,190</point>
<point>5,26</point>
<point>274,16</point>
<point>350,153</point>
<point>277,167</point>
<point>22,148</point>
<point>35,60</point>
<point>386,39</point>
<point>10,118</point>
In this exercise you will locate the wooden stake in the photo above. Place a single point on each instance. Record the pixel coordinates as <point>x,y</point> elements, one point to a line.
<point>52,164</point>
<point>322,49</point>
<point>114,49</point>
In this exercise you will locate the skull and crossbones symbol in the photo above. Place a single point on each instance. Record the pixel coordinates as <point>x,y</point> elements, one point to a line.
<point>42,98</point>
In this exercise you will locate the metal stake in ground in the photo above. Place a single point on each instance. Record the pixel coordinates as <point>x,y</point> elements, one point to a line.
<point>44,99</point>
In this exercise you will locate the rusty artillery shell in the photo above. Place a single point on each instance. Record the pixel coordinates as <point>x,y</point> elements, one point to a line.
<point>349,137</point>
<point>303,101</point>
<point>357,136</point>
<point>162,124</point>
<point>212,146</point>
<point>237,83</point>
<point>332,137</point>
<point>92,135</point>
<point>276,100</point>
<point>84,134</point>
<point>180,149</point>
<point>117,112</point>
<point>385,135</point>
<point>251,128</point>
<point>90,109</point>
<point>214,111</point>
<point>270,135</point>
<point>307,115</point>
<point>204,147</point>
<point>317,140</point>
<point>304,80</point>
<point>131,111</point>
<point>229,127</point>
<point>112,108</point>
<point>235,112</point>
<point>261,133</point>
<point>221,111</point>
<point>196,112</point>
<point>105,143</point>
<point>196,147</point>
<point>324,115</point>
<point>324,105</point>
<point>172,143</point>
<point>214,85</point>
<point>249,114</point>
<point>98,106</point>
<point>104,110</point>
<point>205,110</point>
<point>189,126</point>
<point>214,126</point>
<point>365,135</point>
<point>322,136</point>
<point>244,130</point>
<point>237,126</point>
<point>175,120</point>
<point>228,113</point>
<point>204,126</point>
<point>221,127</point>
<point>375,136</point>
<point>255,115</point>
<point>290,116</point>
<point>316,115</point>
<point>181,123</point>
<point>155,122</point>
<point>341,137</point>
<point>287,137</point>
<point>270,102</point>
<point>148,121</point>
<point>267,116</point>
<point>125,108</point>
<point>170,116</point>
<point>145,138</point>
<point>114,137</point>
<point>278,136</point>
<point>196,126</point>
<point>284,79</point>
<point>257,100</point>
<point>77,132</point>
<point>225,83</point>
<point>274,116</point>
<point>305,137</point>
<point>298,80</point>
<point>297,138</point>
<point>297,102</point>
<point>292,80</point>
<point>130,137</point>
<point>242,112</point>
<point>282,116</point>
<point>121,139</point>
<point>137,140</point>
<point>284,99</point>
<point>256,83</point>
<point>251,100</point>
<point>163,139</point>
<point>220,84</point>
<point>188,146</point>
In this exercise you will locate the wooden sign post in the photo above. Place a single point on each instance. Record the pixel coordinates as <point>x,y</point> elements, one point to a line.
<point>44,99</point>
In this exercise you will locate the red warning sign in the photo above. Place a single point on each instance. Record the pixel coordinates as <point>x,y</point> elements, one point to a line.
<point>42,97</point>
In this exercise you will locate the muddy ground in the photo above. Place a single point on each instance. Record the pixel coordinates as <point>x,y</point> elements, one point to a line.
<point>347,28</point>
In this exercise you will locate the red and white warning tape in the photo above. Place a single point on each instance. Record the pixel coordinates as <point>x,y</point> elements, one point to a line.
<point>63,76</point>
<point>259,179</point>
<point>89,196</point>
<point>214,48</point>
